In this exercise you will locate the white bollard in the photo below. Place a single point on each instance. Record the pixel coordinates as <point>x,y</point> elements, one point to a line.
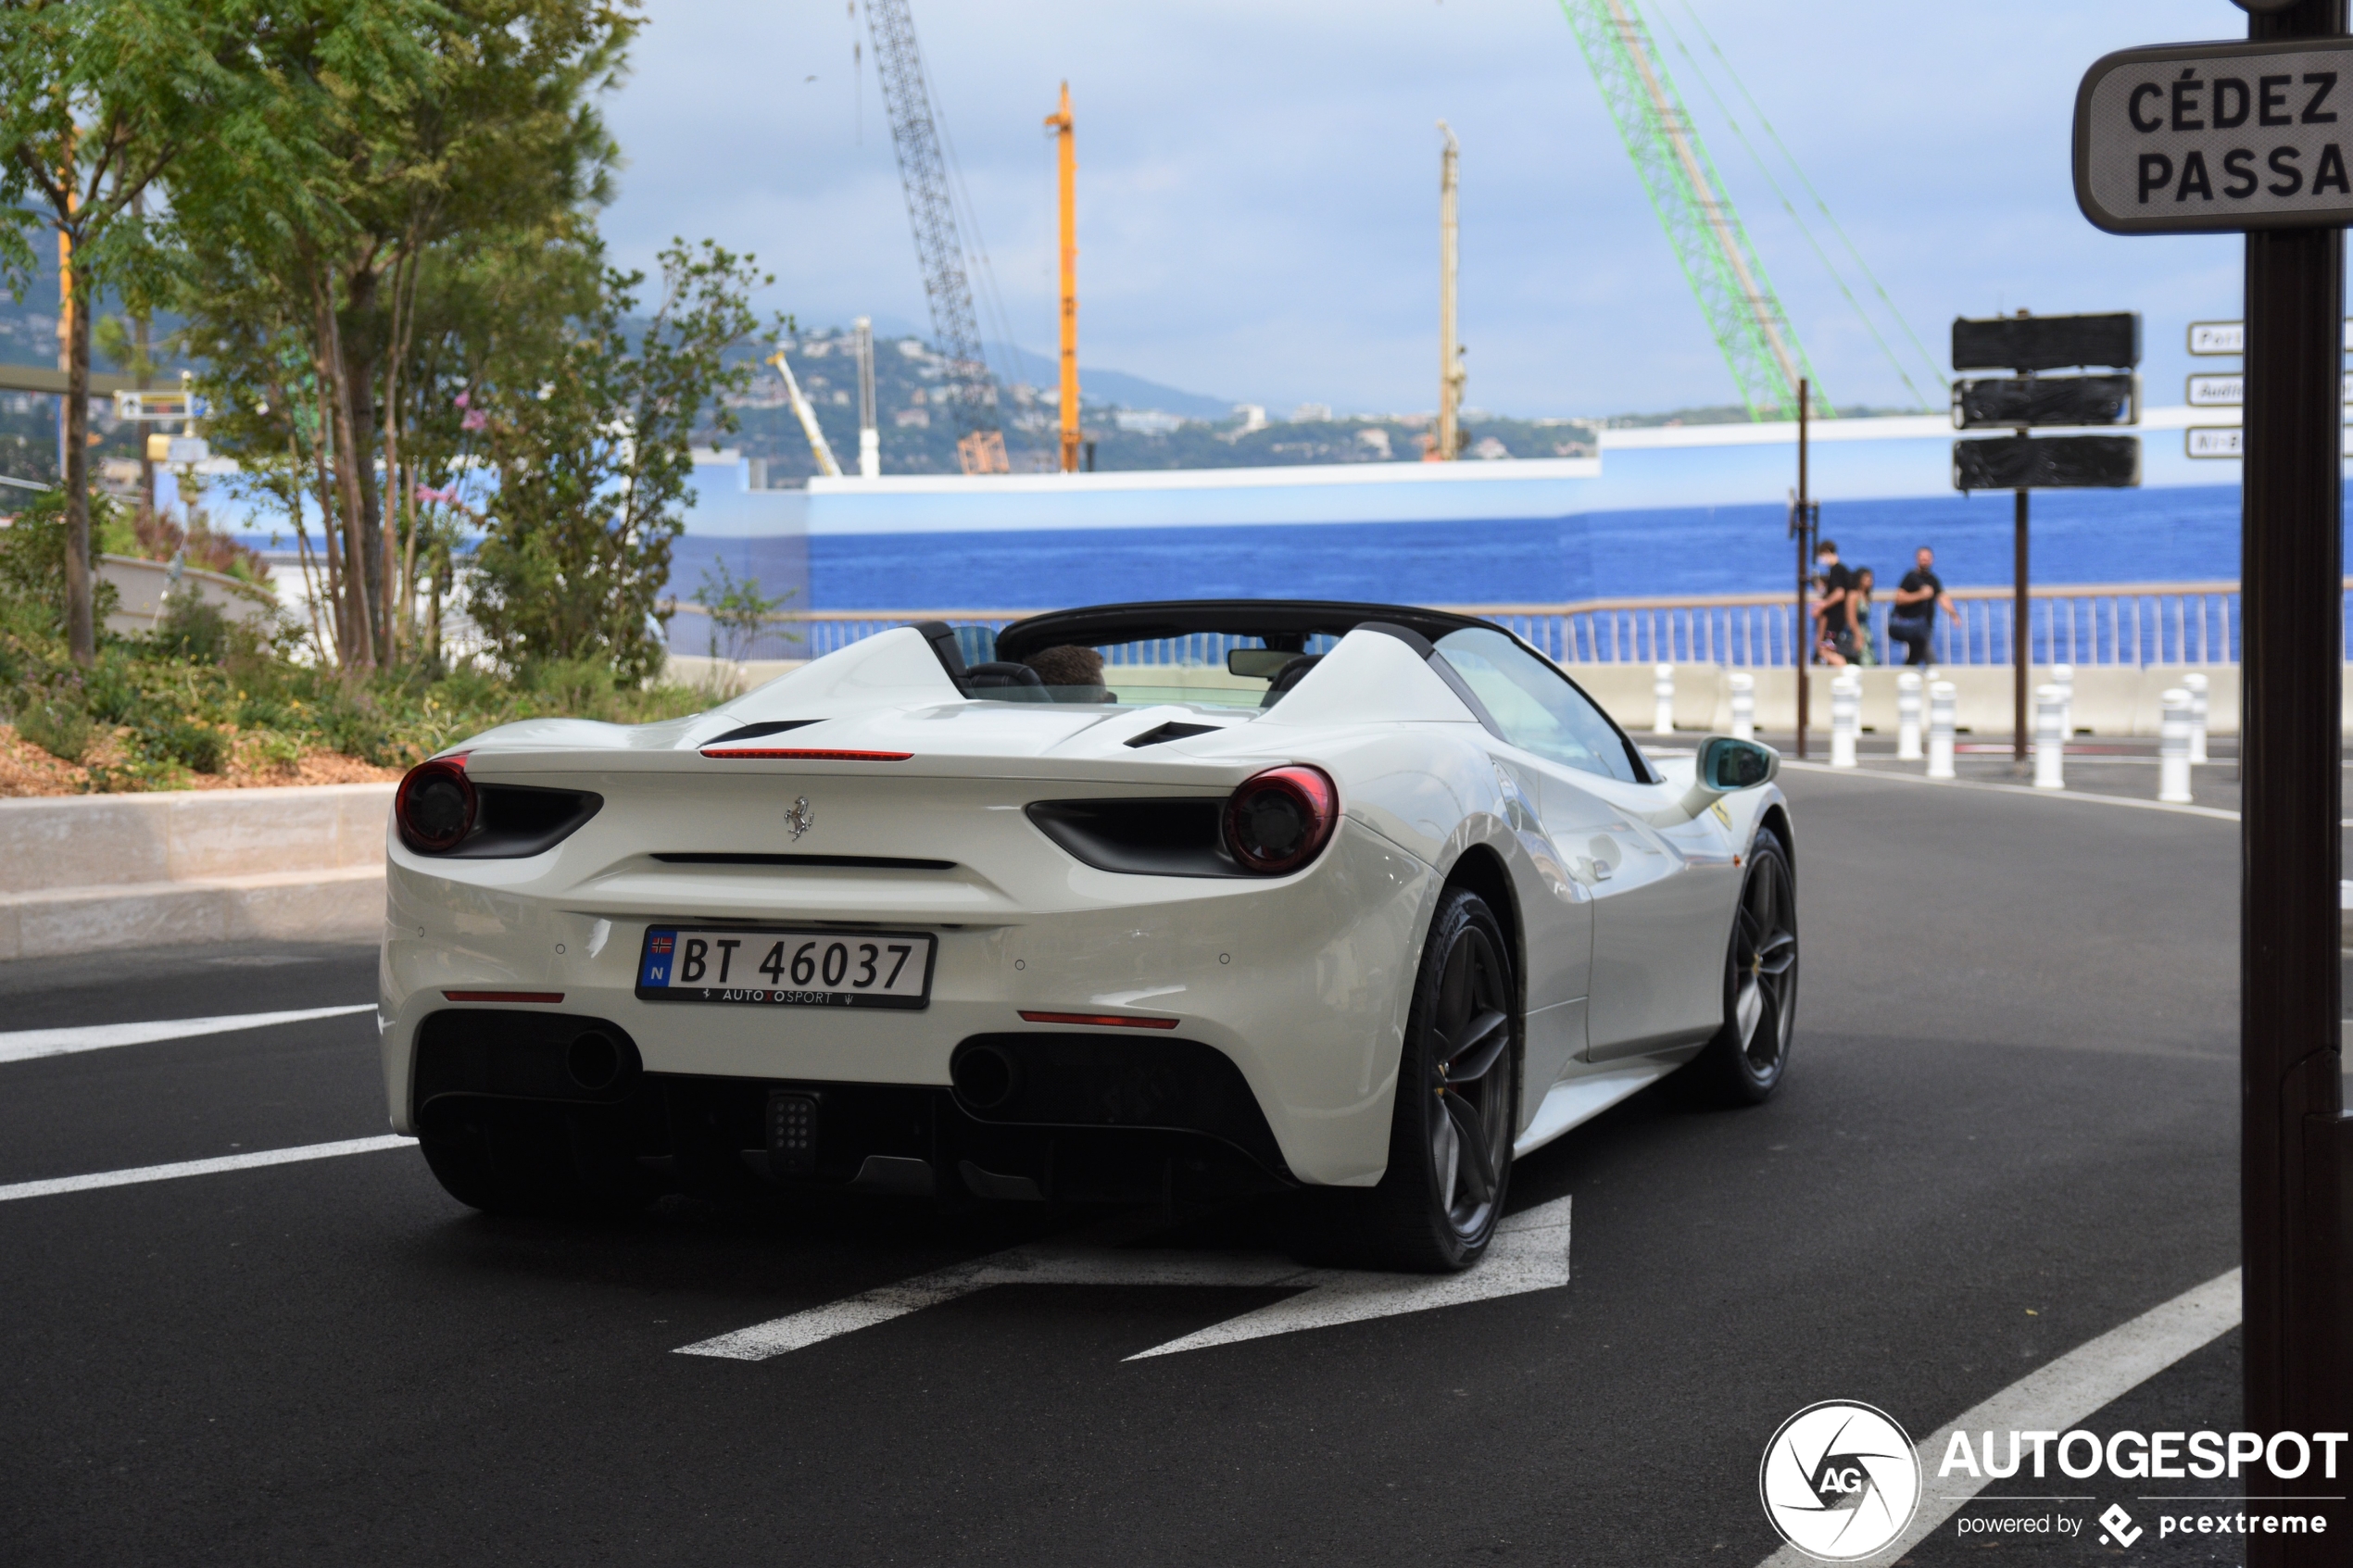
<point>1943,698</point>
<point>2050,740</point>
<point>2173,749</point>
<point>1663,688</point>
<point>1847,711</point>
<point>2063,677</point>
<point>1908,716</point>
<point>1743,704</point>
<point>2195,683</point>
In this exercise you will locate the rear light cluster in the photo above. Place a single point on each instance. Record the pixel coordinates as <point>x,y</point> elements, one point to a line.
<point>440,809</point>
<point>1281,819</point>
<point>435,806</point>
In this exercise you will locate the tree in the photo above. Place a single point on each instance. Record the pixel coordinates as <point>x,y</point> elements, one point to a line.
<point>592,460</point>
<point>475,135</point>
<point>97,101</point>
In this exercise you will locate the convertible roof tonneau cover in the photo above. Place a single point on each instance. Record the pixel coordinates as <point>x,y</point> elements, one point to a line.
<point>1267,619</point>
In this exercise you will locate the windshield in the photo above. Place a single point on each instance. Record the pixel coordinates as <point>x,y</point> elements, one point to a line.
<point>1218,668</point>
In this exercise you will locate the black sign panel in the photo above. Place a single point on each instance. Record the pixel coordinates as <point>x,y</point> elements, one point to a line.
<point>2046,400</point>
<point>2195,138</point>
<point>2046,343</point>
<point>2048,462</point>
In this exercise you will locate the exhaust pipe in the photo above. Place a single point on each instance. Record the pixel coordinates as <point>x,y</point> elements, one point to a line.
<point>595,1061</point>
<point>987,1077</point>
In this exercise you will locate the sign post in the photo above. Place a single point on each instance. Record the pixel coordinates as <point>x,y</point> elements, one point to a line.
<point>2255,136</point>
<point>2028,345</point>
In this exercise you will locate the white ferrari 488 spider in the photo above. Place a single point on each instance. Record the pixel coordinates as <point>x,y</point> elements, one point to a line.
<point>1137,902</point>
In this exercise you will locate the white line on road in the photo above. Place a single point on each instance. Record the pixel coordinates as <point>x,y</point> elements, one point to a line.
<point>2058,1396</point>
<point>2087,797</point>
<point>1529,1252</point>
<point>24,1045</point>
<point>57,1185</point>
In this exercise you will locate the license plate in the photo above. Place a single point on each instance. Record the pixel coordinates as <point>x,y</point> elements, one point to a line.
<point>823,969</point>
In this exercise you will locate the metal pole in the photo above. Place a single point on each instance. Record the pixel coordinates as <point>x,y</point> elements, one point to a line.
<point>2293,1130</point>
<point>1804,653</point>
<point>2022,636</point>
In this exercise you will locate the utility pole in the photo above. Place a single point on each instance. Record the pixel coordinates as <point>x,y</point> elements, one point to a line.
<point>869,437</point>
<point>1066,166</point>
<point>1801,525</point>
<point>1451,374</point>
<point>2293,1136</point>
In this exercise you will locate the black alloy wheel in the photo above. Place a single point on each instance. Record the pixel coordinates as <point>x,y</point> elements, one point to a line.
<point>1449,1144</point>
<point>1744,1062</point>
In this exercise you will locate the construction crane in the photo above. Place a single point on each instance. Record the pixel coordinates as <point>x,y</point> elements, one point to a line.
<point>1710,243</point>
<point>1067,171</point>
<point>940,249</point>
<point>1451,374</point>
<point>808,417</point>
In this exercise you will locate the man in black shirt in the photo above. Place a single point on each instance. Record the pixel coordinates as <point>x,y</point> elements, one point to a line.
<point>1833,583</point>
<point>1917,602</point>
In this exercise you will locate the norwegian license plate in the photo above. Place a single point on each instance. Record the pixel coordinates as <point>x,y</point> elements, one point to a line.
<point>772,968</point>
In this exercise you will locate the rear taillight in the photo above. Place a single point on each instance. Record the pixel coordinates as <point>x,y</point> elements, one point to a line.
<point>435,806</point>
<point>1281,819</point>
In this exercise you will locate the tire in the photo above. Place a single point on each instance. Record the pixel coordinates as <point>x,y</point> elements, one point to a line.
<point>527,1159</point>
<point>1745,1063</point>
<point>1457,1107</point>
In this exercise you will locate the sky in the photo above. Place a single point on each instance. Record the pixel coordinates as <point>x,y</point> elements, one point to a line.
<point>1258,184</point>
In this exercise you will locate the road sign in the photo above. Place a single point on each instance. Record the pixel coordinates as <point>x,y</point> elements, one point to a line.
<point>2048,462</point>
<point>2230,390</point>
<point>2230,338</point>
<point>2199,138</point>
<point>157,403</point>
<point>2046,400</point>
<point>178,450</point>
<point>2225,441</point>
<point>2046,343</point>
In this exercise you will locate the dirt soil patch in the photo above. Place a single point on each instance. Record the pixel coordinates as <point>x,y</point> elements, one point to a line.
<point>26,769</point>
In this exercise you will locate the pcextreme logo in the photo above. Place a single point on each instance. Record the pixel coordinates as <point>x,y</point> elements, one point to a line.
<point>1839,1480</point>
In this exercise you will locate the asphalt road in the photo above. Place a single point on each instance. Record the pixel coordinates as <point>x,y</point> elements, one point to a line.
<point>2009,1126</point>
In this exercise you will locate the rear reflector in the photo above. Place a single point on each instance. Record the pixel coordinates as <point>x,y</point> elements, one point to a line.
<point>504,995</point>
<point>802,754</point>
<point>1113,1019</point>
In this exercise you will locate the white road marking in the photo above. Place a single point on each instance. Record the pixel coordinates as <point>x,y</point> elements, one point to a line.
<point>57,1185</point>
<point>23,1044</point>
<point>2087,797</point>
<point>2061,1395</point>
<point>1529,1252</point>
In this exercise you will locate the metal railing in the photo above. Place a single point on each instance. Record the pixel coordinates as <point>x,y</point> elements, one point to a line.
<point>2133,623</point>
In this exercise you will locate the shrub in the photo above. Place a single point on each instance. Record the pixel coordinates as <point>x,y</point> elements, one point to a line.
<point>57,727</point>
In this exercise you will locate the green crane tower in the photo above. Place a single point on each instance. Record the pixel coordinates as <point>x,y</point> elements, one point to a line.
<point>1693,206</point>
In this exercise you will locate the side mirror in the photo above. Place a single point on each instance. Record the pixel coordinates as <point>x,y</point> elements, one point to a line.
<point>1727,764</point>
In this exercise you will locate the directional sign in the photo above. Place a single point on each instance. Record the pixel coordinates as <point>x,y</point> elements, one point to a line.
<point>2195,138</point>
<point>2048,462</point>
<point>2046,400</point>
<point>2223,441</point>
<point>2230,390</point>
<point>177,403</point>
<point>2230,338</point>
<point>2046,343</point>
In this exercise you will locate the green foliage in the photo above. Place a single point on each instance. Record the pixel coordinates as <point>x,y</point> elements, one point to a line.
<point>57,727</point>
<point>592,455</point>
<point>32,565</point>
<point>738,610</point>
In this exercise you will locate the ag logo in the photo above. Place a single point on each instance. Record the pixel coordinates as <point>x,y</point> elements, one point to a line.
<point>801,819</point>
<point>1839,1480</point>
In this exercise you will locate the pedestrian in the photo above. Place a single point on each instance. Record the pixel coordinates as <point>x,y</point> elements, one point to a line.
<point>1916,600</point>
<point>1860,647</point>
<point>1832,582</point>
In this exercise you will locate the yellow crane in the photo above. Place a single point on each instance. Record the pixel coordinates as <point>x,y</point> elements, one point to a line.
<point>1066,162</point>
<point>808,416</point>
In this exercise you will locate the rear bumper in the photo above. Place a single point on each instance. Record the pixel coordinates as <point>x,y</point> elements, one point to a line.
<point>1301,984</point>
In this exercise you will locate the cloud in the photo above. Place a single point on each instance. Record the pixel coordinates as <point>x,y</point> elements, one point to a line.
<point>1258,184</point>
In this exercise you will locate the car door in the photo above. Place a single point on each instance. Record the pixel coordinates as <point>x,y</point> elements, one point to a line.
<point>1658,905</point>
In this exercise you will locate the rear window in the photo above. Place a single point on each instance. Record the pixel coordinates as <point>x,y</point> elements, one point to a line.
<point>1215,669</point>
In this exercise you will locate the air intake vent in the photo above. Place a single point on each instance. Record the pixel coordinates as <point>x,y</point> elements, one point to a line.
<point>754,731</point>
<point>1172,731</point>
